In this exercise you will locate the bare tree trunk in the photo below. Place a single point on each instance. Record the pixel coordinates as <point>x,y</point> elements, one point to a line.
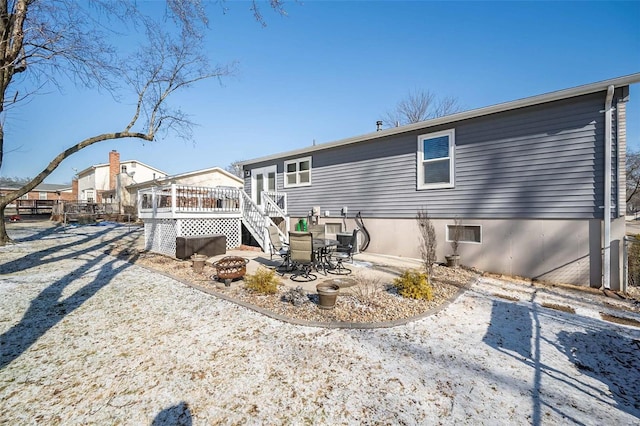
<point>4,238</point>
<point>11,44</point>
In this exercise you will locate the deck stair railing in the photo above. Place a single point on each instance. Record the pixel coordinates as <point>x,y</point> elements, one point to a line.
<point>274,206</point>
<point>256,221</point>
<point>278,203</point>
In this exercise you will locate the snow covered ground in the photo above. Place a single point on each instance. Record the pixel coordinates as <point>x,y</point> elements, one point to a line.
<point>89,339</point>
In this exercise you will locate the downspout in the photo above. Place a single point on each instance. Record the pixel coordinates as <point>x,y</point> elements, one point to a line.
<point>606,270</point>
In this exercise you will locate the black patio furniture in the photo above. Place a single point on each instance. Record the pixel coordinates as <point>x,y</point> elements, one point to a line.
<point>343,254</point>
<point>322,248</point>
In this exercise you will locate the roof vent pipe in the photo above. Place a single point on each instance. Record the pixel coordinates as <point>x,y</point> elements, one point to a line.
<point>378,125</point>
<point>606,267</point>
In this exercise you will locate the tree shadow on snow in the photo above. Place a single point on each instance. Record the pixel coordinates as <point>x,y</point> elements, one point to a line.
<point>41,234</point>
<point>48,308</point>
<point>510,328</point>
<point>176,415</point>
<point>601,353</point>
<point>609,357</point>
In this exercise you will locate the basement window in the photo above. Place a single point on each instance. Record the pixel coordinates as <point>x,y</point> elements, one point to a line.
<point>468,233</point>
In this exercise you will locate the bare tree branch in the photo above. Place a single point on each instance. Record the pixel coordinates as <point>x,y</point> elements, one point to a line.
<point>65,154</point>
<point>50,42</point>
<point>235,168</point>
<point>633,177</point>
<point>420,105</point>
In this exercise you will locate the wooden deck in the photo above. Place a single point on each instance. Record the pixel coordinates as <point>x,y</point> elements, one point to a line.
<point>35,206</point>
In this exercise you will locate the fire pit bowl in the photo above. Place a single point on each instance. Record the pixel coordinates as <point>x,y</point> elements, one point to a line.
<point>230,268</point>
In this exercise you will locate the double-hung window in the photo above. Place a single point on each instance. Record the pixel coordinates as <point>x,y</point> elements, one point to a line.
<point>435,160</point>
<point>297,172</point>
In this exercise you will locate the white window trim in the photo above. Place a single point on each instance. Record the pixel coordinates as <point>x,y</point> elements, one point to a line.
<point>264,171</point>
<point>296,161</point>
<point>40,195</point>
<point>449,240</point>
<point>89,194</point>
<point>419,155</point>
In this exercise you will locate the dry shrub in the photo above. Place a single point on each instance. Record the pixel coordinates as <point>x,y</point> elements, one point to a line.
<point>367,289</point>
<point>296,296</point>
<point>263,281</point>
<point>428,243</point>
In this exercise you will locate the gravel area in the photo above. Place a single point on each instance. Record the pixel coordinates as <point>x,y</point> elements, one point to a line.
<point>88,338</point>
<point>370,299</point>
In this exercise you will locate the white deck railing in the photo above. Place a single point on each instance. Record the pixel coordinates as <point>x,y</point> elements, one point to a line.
<point>174,201</point>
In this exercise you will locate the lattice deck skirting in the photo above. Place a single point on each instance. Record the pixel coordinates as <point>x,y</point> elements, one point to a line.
<point>160,234</point>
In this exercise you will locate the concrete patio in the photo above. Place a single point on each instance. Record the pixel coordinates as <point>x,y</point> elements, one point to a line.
<point>387,268</point>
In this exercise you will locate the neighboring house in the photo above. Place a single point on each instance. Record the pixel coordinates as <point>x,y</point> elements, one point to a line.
<point>44,191</point>
<point>538,183</point>
<point>106,182</point>
<point>212,177</point>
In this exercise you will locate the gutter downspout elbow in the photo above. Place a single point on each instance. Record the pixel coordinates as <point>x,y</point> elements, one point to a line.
<point>606,267</point>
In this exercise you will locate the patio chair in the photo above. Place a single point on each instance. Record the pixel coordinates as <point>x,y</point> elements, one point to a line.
<point>278,247</point>
<point>319,233</point>
<point>301,255</point>
<point>343,254</point>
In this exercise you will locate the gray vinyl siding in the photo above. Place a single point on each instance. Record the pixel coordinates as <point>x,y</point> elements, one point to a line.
<point>543,161</point>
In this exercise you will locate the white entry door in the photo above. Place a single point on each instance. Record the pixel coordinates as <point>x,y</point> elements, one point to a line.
<point>263,179</point>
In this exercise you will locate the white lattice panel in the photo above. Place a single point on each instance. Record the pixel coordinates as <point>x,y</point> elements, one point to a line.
<point>160,236</point>
<point>231,227</point>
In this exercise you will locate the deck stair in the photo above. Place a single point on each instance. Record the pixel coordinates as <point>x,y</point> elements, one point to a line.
<point>257,219</point>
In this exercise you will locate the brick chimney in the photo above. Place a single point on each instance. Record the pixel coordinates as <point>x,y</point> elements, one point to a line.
<point>114,168</point>
<point>74,189</point>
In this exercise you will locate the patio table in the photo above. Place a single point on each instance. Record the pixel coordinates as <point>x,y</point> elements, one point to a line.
<point>321,246</point>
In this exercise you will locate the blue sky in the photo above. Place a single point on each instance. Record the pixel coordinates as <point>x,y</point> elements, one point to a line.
<point>330,69</point>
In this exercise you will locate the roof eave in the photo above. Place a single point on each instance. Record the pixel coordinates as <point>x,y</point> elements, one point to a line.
<point>187,174</point>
